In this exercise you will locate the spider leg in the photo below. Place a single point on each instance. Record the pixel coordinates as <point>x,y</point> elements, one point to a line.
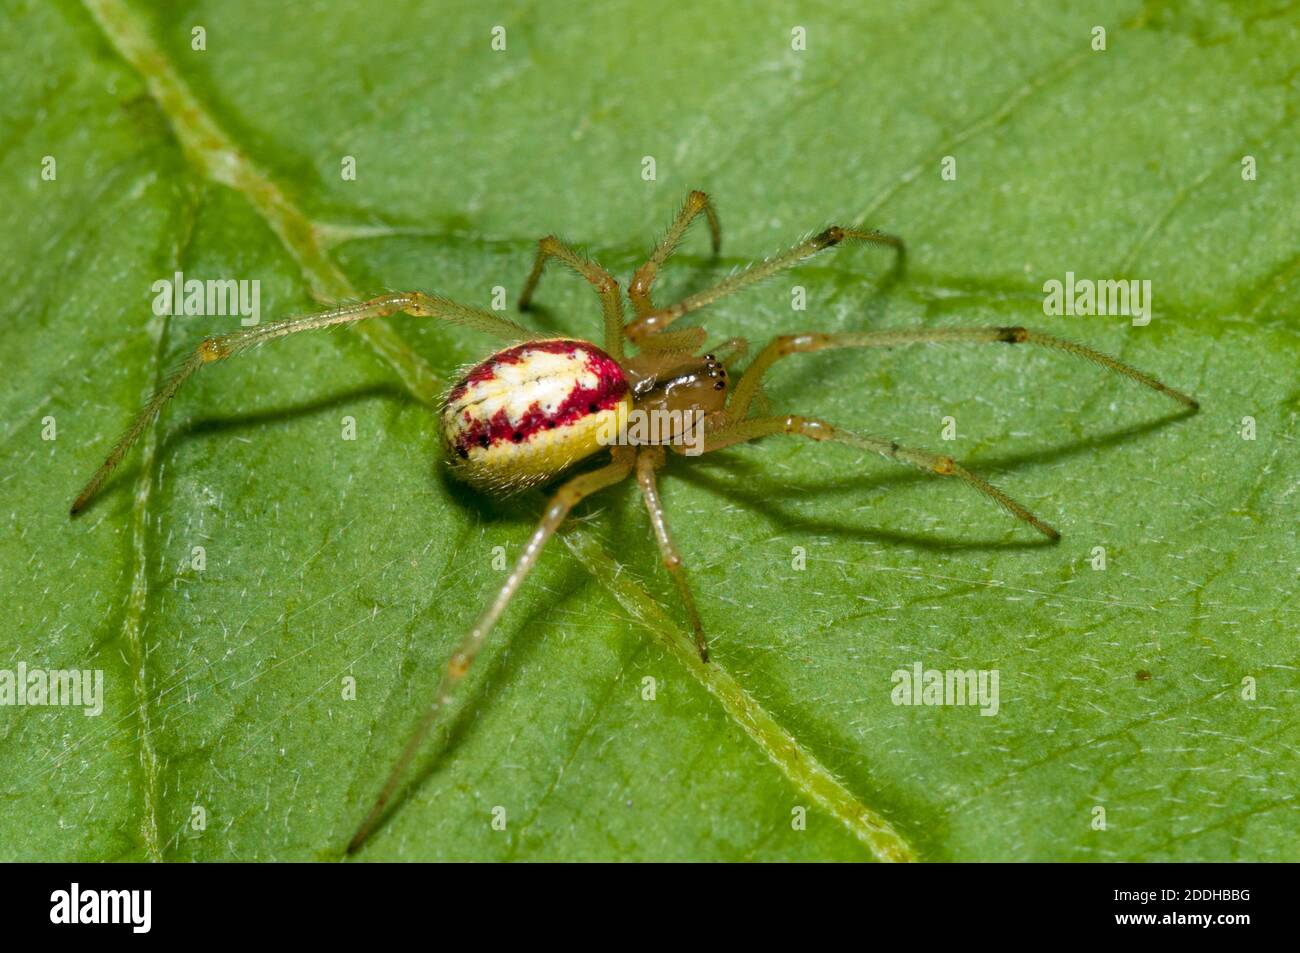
<point>786,345</point>
<point>227,345</point>
<point>647,462</point>
<point>731,349</point>
<point>566,497</point>
<point>606,287</point>
<point>639,288</point>
<point>687,340</point>
<point>654,321</point>
<point>745,430</point>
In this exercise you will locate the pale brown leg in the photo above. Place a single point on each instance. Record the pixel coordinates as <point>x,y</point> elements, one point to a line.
<point>732,433</point>
<point>227,345</point>
<point>654,321</point>
<point>784,346</point>
<point>606,287</point>
<point>647,462</point>
<point>565,498</point>
<point>639,288</point>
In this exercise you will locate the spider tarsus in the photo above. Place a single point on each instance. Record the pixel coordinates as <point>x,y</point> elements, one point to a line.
<point>354,845</point>
<point>1191,403</point>
<point>701,645</point>
<point>80,502</point>
<point>699,199</point>
<point>368,825</point>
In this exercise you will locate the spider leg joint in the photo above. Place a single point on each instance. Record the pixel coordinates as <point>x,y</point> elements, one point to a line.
<point>212,350</point>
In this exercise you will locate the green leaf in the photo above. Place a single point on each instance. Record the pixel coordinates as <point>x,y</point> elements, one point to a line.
<point>226,733</point>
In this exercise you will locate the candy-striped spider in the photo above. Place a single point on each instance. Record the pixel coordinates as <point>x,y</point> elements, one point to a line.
<point>532,410</point>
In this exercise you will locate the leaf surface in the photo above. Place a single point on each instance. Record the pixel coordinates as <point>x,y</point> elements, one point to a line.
<point>328,558</point>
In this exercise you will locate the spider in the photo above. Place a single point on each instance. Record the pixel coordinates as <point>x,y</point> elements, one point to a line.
<point>532,410</point>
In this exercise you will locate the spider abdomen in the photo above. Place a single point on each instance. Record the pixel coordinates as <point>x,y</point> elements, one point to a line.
<point>529,412</point>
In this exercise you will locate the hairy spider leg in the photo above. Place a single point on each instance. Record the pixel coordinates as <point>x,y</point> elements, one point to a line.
<point>653,322</point>
<point>746,430</point>
<point>788,344</point>
<point>227,345</point>
<point>611,300</point>
<point>647,462</point>
<point>638,290</point>
<point>565,498</point>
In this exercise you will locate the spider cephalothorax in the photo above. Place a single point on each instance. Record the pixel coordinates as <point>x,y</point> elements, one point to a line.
<point>533,409</point>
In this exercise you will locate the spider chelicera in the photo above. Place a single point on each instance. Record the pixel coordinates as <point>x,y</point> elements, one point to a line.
<point>531,411</point>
